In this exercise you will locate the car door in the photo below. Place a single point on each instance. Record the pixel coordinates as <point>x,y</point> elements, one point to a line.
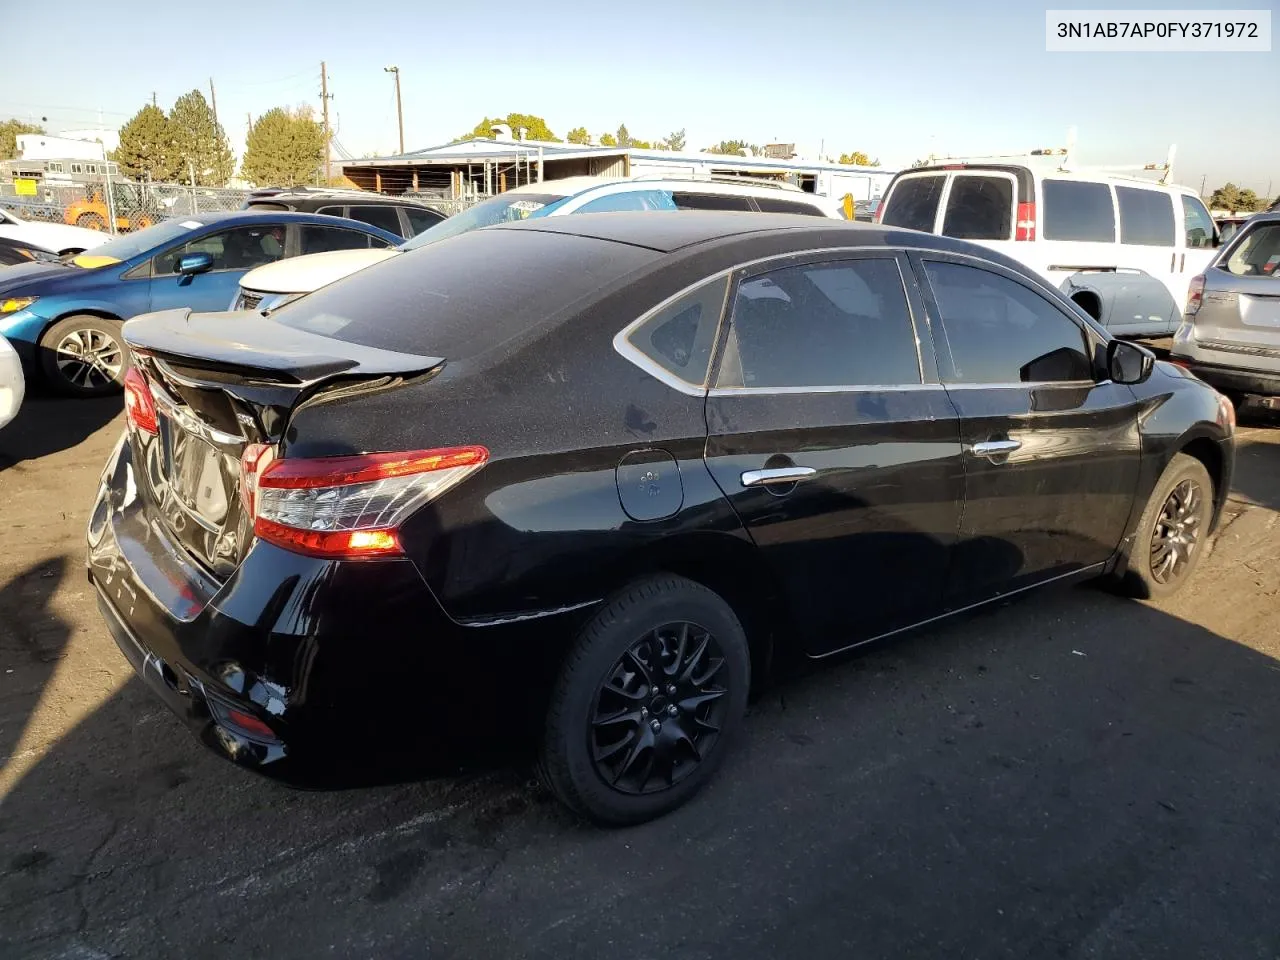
<point>1051,448</point>
<point>831,437</point>
<point>235,251</point>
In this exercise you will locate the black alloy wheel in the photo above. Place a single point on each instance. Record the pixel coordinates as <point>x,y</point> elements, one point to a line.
<point>659,710</point>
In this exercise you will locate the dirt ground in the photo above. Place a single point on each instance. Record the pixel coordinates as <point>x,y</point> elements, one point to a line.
<point>1070,775</point>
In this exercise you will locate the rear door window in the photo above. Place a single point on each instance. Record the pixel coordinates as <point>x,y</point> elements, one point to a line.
<point>914,203</point>
<point>778,205</point>
<point>324,239</point>
<point>630,200</point>
<point>979,208</point>
<point>834,324</point>
<point>710,201</point>
<point>386,217</point>
<point>1077,210</point>
<point>1146,217</point>
<point>1196,222</point>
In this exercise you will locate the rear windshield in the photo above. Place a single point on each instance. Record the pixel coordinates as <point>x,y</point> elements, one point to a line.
<point>914,203</point>
<point>465,296</point>
<point>979,208</point>
<point>1258,253</point>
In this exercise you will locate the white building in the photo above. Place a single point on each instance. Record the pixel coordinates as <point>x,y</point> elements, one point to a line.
<point>40,146</point>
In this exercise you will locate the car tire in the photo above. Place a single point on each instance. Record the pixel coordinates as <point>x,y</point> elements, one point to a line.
<point>84,356</point>
<point>1168,520</point>
<point>91,221</point>
<point>664,669</point>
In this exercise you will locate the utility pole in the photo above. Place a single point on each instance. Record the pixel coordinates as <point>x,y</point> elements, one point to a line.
<point>399,111</point>
<point>325,96</point>
<point>153,98</point>
<point>1203,178</point>
<point>213,102</point>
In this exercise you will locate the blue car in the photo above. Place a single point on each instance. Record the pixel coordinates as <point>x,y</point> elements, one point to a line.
<point>64,318</point>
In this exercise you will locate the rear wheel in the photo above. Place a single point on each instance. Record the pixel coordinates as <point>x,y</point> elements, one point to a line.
<point>91,221</point>
<point>1172,532</point>
<point>84,356</point>
<point>647,702</point>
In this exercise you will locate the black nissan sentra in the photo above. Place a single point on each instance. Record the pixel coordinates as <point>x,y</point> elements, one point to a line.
<point>578,483</point>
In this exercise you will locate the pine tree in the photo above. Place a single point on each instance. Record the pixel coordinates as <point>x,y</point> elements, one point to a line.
<point>146,148</point>
<point>284,148</point>
<point>200,143</point>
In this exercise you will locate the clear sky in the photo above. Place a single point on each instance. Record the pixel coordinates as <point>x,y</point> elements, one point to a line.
<point>897,80</point>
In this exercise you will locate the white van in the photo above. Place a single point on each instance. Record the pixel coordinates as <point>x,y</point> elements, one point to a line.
<point>1124,249</point>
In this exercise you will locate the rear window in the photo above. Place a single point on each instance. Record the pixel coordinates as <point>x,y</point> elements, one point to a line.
<point>979,208</point>
<point>1077,210</point>
<point>1258,253</point>
<point>1146,217</point>
<point>914,203</point>
<point>428,301</point>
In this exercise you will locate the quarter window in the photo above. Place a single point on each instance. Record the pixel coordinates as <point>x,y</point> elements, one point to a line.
<point>1000,331</point>
<point>979,208</point>
<point>1197,222</point>
<point>1146,217</point>
<point>914,203</point>
<point>840,323</point>
<point>240,249</point>
<point>1078,210</point>
<point>679,338</point>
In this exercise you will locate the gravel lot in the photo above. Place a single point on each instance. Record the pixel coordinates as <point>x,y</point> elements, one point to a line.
<point>1072,775</point>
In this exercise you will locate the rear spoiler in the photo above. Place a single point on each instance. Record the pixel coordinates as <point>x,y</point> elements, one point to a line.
<point>248,341</point>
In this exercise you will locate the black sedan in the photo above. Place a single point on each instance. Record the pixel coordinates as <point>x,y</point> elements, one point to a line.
<point>588,502</point>
<point>18,251</point>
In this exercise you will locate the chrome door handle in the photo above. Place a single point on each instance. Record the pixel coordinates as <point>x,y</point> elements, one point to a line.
<point>995,448</point>
<point>763,478</point>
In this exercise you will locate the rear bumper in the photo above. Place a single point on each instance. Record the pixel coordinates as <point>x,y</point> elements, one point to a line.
<point>1235,379</point>
<point>315,672</point>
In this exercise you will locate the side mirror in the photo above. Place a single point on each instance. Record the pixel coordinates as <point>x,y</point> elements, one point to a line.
<point>1129,363</point>
<point>193,263</point>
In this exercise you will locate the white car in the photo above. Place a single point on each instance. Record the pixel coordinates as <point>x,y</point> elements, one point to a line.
<point>58,237</point>
<point>274,285</point>
<point>12,384</point>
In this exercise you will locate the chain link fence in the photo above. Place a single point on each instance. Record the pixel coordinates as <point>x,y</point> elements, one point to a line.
<point>134,206</point>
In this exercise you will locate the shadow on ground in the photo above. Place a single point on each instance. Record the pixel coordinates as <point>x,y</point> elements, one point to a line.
<point>1257,475</point>
<point>46,424</point>
<point>1074,775</point>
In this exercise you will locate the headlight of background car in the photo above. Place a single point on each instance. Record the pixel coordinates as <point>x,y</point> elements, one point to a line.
<point>14,304</point>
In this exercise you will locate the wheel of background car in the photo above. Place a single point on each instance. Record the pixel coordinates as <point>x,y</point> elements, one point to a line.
<point>646,702</point>
<point>1172,533</point>
<point>91,221</point>
<point>84,356</point>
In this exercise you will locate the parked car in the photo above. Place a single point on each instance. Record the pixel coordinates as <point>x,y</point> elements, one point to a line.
<point>1230,335</point>
<point>136,208</point>
<point>13,384</point>
<point>605,488</point>
<point>404,218</point>
<point>57,237</point>
<point>64,318</point>
<point>18,251</point>
<point>280,283</point>
<point>1123,249</point>
<point>1228,225</point>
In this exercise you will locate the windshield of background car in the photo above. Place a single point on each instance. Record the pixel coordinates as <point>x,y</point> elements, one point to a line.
<point>427,302</point>
<point>505,208</point>
<point>129,245</point>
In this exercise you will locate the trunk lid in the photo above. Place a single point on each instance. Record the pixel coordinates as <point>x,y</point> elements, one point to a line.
<point>222,381</point>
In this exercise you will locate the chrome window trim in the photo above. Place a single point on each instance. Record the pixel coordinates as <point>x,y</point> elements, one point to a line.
<point>834,388</point>
<point>1030,384</point>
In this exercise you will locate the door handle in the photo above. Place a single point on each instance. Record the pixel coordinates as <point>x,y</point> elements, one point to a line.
<point>995,448</point>
<point>779,475</point>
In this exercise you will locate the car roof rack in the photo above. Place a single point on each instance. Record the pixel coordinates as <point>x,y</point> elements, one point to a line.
<point>1066,165</point>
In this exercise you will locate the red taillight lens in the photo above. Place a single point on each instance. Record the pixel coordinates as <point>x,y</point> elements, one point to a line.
<point>1195,295</point>
<point>253,461</point>
<point>350,507</point>
<point>139,404</point>
<point>1024,227</point>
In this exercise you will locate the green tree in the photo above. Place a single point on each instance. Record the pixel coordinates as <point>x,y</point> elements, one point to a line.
<point>1233,198</point>
<point>733,148</point>
<point>579,135</point>
<point>535,128</point>
<point>200,142</point>
<point>9,131</point>
<point>608,140</point>
<point>624,136</point>
<point>285,147</point>
<point>146,148</point>
<point>858,159</point>
<point>675,140</point>
<point>641,144</point>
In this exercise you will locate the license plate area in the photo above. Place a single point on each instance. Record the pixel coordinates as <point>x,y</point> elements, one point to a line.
<point>193,472</point>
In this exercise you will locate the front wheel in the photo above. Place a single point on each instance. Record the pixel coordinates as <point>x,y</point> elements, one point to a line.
<point>646,702</point>
<point>84,356</point>
<point>1172,533</point>
<point>91,221</point>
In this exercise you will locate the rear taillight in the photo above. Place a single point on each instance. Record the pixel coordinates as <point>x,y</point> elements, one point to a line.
<point>1024,227</point>
<point>139,404</point>
<point>1195,295</point>
<point>253,461</point>
<point>348,507</point>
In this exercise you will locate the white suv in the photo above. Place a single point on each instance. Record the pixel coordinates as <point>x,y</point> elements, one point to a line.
<point>278,283</point>
<point>1123,249</point>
